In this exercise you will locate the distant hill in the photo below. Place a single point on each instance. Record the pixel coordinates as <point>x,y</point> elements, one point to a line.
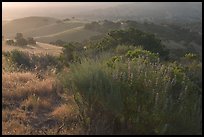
<point>150,11</point>
<point>4,22</point>
<point>45,29</point>
<point>77,34</point>
<point>52,29</point>
<point>25,24</point>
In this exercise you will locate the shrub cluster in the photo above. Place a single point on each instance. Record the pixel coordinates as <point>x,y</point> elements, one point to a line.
<point>135,97</point>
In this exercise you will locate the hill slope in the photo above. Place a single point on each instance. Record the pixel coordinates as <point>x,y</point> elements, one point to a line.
<point>40,48</point>
<point>25,24</point>
<point>45,29</point>
<point>77,34</point>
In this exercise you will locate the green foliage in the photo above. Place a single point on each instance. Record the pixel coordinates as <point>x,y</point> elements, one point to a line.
<point>20,59</point>
<point>191,56</point>
<point>193,67</point>
<point>122,49</point>
<point>121,88</point>
<point>67,55</point>
<point>132,37</point>
<point>72,52</point>
<point>135,97</point>
<point>169,31</point>
<point>111,62</point>
<point>132,54</point>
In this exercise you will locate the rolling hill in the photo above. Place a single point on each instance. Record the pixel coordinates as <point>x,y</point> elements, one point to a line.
<point>40,48</point>
<point>52,29</point>
<point>25,24</point>
<point>76,34</point>
<point>45,29</point>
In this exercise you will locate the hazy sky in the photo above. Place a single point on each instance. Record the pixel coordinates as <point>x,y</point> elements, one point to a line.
<point>56,4</point>
<point>12,10</point>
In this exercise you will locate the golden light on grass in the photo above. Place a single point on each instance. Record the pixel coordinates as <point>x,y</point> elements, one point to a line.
<point>5,115</point>
<point>65,111</point>
<point>36,104</point>
<point>19,85</point>
<point>17,128</point>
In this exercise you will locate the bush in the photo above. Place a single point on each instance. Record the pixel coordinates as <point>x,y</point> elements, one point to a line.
<point>132,54</point>
<point>21,42</point>
<point>10,42</point>
<point>193,68</point>
<point>20,59</point>
<point>122,49</point>
<point>31,41</point>
<point>72,52</point>
<point>135,98</point>
<point>19,36</point>
<point>133,37</point>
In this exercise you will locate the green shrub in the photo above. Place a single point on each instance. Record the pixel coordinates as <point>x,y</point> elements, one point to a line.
<point>133,37</point>
<point>122,49</point>
<point>132,54</point>
<point>193,67</point>
<point>135,98</point>
<point>20,59</point>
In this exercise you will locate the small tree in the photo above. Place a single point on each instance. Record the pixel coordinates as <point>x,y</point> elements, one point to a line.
<point>31,41</point>
<point>20,41</point>
<point>19,36</point>
<point>10,42</point>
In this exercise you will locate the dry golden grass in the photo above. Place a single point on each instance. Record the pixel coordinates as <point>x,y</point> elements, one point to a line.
<point>36,104</point>
<point>5,115</point>
<point>67,111</point>
<point>17,128</point>
<point>17,85</point>
<point>30,103</point>
<point>14,122</point>
<point>40,48</point>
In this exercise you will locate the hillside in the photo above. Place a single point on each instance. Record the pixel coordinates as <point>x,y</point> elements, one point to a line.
<point>76,34</point>
<point>4,22</point>
<point>52,29</point>
<point>45,29</point>
<point>25,24</point>
<point>40,48</point>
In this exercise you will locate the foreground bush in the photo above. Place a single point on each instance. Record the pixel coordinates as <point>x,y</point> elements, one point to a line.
<point>135,97</point>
